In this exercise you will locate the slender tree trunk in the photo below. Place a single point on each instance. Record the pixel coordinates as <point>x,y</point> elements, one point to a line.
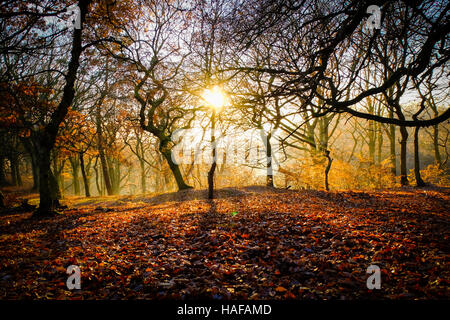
<point>35,170</point>
<point>392,142</point>
<point>104,165</point>
<point>372,141</point>
<point>102,183</point>
<point>2,172</point>
<point>15,175</point>
<point>379,153</point>
<point>12,167</point>
<point>62,183</point>
<point>269,169</point>
<point>211,180</point>
<point>419,181</point>
<point>327,169</point>
<point>105,172</point>
<point>18,175</point>
<point>98,178</point>
<point>76,181</point>
<point>268,147</point>
<point>220,168</point>
<point>380,143</point>
<point>403,156</point>
<point>83,173</point>
<point>27,143</point>
<point>114,166</point>
<point>56,179</point>
<point>143,182</point>
<point>437,154</point>
<point>199,175</point>
<point>214,157</point>
<point>166,181</point>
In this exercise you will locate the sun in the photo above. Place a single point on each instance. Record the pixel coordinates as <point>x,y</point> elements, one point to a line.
<point>215,97</point>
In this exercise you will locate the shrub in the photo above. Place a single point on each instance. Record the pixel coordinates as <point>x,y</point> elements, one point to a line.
<point>432,174</point>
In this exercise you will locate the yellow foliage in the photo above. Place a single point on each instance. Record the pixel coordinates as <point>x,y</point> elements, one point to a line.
<point>309,173</point>
<point>432,174</point>
<point>363,175</point>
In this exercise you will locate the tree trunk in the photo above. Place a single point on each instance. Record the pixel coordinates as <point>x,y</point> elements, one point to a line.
<point>114,165</point>
<point>76,181</point>
<point>269,169</point>
<point>380,143</point>
<point>47,137</point>
<point>83,173</point>
<point>97,178</point>
<point>105,172</point>
<point>175,170</point>
<point>392,142</point>
<point>15,171</point>
<point>437,154</point>
<point>101,152</point>
<point>372,140</point>
<point>419,181</point>
<point>48,196</point>
<point>18,176</point>
<point>211,180</point>
<point>35,170</point>
<point>55,182</point>
<point>403,156</point>
<point>2,172</point>
<point>327,169</point>
<point>27,143</point>
<point>143,182</point>
<point>56,179</point>
<point>214,157</point>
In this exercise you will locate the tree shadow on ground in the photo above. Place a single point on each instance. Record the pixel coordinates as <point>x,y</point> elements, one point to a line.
<point>69,219</point>
<point>182,196</point>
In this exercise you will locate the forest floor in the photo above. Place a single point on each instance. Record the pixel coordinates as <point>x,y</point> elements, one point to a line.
<point>249,243</point>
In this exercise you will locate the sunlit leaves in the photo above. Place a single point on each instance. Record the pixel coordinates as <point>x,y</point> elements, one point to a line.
<point>281,245</point>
